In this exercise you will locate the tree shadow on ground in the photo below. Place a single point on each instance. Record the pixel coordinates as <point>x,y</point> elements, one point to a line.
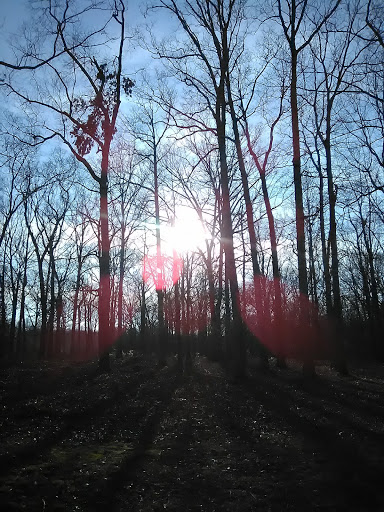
<point>332,427</point>
<point>129,468</point>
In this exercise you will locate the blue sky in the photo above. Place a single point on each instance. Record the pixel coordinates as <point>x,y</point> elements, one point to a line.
<point>13,13</point>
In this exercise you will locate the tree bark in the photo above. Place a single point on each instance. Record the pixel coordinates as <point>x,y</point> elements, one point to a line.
<point>104,265</point>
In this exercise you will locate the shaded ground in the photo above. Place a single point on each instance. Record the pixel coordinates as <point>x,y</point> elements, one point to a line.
<point>146,439</point>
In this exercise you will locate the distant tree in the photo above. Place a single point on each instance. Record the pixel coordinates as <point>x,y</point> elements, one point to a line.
<point>203,62</point>
<point>261,160</point>
<point>128,210</point>
<point>335,53</point>
<point>44,218</point>
<point>203,196</point>
<point>17,160</point>
<point>300,24</point>
<point>149,128</point>
<point>366,271</point>
<point>85,102</point>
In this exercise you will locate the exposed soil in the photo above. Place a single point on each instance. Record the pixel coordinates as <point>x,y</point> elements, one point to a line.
<point>143,438</point>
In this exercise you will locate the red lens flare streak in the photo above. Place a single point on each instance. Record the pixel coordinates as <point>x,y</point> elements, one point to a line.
<point>162,271</point>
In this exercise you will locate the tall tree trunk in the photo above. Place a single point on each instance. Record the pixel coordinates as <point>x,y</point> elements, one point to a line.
<point>337,312</point>
<point>245,185</point>
<point>75,336</point>
<point>237,340</point>
<point>312,269</point>
<point>272,234</point>
<point>250,220</point>
<point>178,327</point>
<point>213,338</point>
<point>188,315</point>
<point>308,363</point>
<point>300,229</point>
<point>216,295</point>
<point>296,13</point>
<point>119,350</point>
<point>217,326</point>
<point>374,305</point>
<point>104,265</point>
<point>3,311</point>
<point>161,338</point>
<point>324,247</point>
<point>20,341</point>
<point>143,328</point>
<point>60,324</point>
<point>44,313</point>
<point>52,302</point>
<point>15,296</point>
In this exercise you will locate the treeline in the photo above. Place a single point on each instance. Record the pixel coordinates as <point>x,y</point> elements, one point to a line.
<point>261,126</point>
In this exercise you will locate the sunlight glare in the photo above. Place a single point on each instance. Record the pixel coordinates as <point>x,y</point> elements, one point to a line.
<point>187,234</point>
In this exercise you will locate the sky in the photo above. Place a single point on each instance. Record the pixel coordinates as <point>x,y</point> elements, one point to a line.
<point>14,12</point>
<point>11,11</point>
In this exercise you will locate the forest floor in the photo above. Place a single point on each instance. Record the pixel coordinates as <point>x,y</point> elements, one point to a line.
<point>143,438</point>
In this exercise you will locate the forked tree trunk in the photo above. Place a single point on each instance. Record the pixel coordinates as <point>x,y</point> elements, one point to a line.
<point>245,185</point>
<point>278,312</point>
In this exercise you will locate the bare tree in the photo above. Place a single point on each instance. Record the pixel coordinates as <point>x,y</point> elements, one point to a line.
<point>334,56</point>
<point>299,27</point>
<point>128,201</point>
<point>375,21</point>
<point>261,160</point>
<point>85,101</point>
<point>210,27</point>
<point>44,220</point>
<point>149,129</point>
<point>203,196</point>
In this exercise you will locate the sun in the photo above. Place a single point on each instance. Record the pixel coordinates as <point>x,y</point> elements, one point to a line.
<point>187,233</point>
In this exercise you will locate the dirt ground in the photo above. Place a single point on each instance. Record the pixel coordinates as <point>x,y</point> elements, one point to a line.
<point>143,438</point>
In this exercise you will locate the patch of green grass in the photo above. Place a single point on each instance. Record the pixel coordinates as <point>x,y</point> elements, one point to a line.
<point>110,453</point>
